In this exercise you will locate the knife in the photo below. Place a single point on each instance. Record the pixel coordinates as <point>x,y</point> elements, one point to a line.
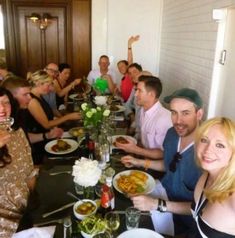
<point>58,210</point>
<point>64,157</point>
<point>60,172</point>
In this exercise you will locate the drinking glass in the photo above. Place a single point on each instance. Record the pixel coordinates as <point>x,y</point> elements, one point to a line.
<point>132,218</point>
<point>113,221</point>
<point>6,124</point>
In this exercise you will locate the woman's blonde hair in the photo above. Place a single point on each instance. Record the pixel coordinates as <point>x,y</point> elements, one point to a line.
<point>224,185</point>
<point>39,76</point>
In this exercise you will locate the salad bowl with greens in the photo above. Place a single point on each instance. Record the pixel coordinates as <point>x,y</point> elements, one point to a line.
<point>91,226</point>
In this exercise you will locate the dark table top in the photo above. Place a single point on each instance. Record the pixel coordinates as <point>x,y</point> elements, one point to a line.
<point>51,193</point>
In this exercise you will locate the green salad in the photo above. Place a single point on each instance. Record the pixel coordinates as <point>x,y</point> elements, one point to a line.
<point>92,225</point>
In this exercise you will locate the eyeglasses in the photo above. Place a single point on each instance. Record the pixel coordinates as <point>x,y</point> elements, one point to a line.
<point>177,157</point>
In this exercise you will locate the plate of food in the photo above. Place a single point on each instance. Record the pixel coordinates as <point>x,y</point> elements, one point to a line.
<point>61,146</point>
<point>133,182</point>
<point>76,96</point>
<point>123,139</point>
<point>77,132</point>
<point>117,108</point>
<point>140,232</point>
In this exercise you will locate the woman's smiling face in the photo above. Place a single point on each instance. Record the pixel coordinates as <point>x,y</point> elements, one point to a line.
<point>213,150</point>
<point>5,107</point>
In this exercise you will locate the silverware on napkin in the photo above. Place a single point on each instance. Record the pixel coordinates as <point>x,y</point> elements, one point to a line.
<point>64,157</point>
<point>60,172</point>
<point>58,210</point>
<point>60,221</point>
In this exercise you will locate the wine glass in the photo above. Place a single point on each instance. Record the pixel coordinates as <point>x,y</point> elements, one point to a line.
<point>6,124</point>
<point>113,221</point>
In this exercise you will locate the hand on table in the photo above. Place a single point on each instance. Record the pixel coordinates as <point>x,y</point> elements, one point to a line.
<point>130,161</point>
<point>74,116</point>
<point>144,203</point>
<point>129,147</point>
<point>55,133</point>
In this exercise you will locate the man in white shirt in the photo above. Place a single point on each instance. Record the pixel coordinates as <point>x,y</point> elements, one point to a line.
<point>103,73</point>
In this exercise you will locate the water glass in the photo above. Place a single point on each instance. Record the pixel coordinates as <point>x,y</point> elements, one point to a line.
<point>6,124</point>
<point>132,218</point>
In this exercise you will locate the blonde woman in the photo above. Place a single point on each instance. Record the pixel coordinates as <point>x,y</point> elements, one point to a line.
<point>40,117</point>
<point>214,208</point>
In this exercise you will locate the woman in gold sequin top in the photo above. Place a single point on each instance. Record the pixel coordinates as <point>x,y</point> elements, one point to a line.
<point>17,173</point>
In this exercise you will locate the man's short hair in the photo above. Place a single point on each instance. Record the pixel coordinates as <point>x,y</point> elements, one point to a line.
<point>122,61</point>
<point>152,83</point>
<point>104,56</point>
<point>135,65</point>
<point>14,82</point>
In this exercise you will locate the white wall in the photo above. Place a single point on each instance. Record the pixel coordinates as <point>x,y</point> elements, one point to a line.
<point>188,42</point>
<point>114,21</point>
<point>2,41</point>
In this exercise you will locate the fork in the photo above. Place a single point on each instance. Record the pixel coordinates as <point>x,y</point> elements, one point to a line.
<point>59,221</point>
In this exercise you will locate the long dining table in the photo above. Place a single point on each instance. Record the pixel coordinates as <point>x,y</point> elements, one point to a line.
<point>51,193</point>
<point>55,180</point>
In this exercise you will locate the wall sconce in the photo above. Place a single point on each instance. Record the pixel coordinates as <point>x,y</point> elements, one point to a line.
<point>43,21</point>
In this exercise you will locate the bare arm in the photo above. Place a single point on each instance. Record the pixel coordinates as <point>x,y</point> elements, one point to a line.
<point>53,133</point>
<point>147,203</point>
<point>38,113</point>
<point>131,40</point>
<point>130,161</point>
<point>131,147</point>
<point>62,92</point>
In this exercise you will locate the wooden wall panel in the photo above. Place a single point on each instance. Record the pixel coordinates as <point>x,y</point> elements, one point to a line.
<point>66,39</point>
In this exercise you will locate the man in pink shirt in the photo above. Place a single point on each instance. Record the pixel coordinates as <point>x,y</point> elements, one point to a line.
<point>155,120</point>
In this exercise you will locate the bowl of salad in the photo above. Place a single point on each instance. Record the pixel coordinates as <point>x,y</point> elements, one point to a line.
<point>91,226</point>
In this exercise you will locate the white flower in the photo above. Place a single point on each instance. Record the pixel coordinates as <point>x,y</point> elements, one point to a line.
<point>93,110</point>
<point>106,112</point>
<point>84,106</point>
<point>89,114</point>
<point>100,100</point>
<point>86,172</point>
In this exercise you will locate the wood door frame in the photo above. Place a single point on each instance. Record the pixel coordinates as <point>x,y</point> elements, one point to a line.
<point>11,36</point>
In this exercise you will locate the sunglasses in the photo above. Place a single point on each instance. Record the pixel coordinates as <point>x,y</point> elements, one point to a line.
<point>177,157</point>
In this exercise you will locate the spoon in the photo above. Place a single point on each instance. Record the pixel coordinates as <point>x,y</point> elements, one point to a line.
<point>74,196</point>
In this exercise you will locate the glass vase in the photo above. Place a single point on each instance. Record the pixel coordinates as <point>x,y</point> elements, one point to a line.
<point>89,192</point>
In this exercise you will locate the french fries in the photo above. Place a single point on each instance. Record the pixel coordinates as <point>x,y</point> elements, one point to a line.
<point>133,183</point>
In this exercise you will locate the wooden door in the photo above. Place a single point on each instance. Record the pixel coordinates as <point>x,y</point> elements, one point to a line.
<point>37,47</point>
<point>66,39</point>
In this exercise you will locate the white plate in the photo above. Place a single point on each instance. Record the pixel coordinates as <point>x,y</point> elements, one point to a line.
<point>120,109</point>
<point>150,184</point>
<point>112,139</point>
<point>73,143</point>
<point>72,96</point>
<point>140,232</point>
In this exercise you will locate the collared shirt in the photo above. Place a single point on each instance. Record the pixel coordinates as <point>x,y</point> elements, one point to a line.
<point>154,124</point>
<point>95,73</point>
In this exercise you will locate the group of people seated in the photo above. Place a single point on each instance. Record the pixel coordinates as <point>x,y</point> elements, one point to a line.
<point>198,159</point>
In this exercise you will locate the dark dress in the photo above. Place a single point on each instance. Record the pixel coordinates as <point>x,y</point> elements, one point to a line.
<point>31,125</point>
<point>203,229</point>
<point>59,100</point>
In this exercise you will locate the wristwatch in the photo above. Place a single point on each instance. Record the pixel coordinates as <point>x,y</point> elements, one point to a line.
<point>161,205</point>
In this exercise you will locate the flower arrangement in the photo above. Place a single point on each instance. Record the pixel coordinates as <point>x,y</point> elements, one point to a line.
<point>93,116</point>
<point>86,172</point>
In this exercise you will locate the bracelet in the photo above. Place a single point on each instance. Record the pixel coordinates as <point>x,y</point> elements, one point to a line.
<point>161,205</point>
<point>44,136</point>
<point>129,48</point>
<point>147,164</point>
